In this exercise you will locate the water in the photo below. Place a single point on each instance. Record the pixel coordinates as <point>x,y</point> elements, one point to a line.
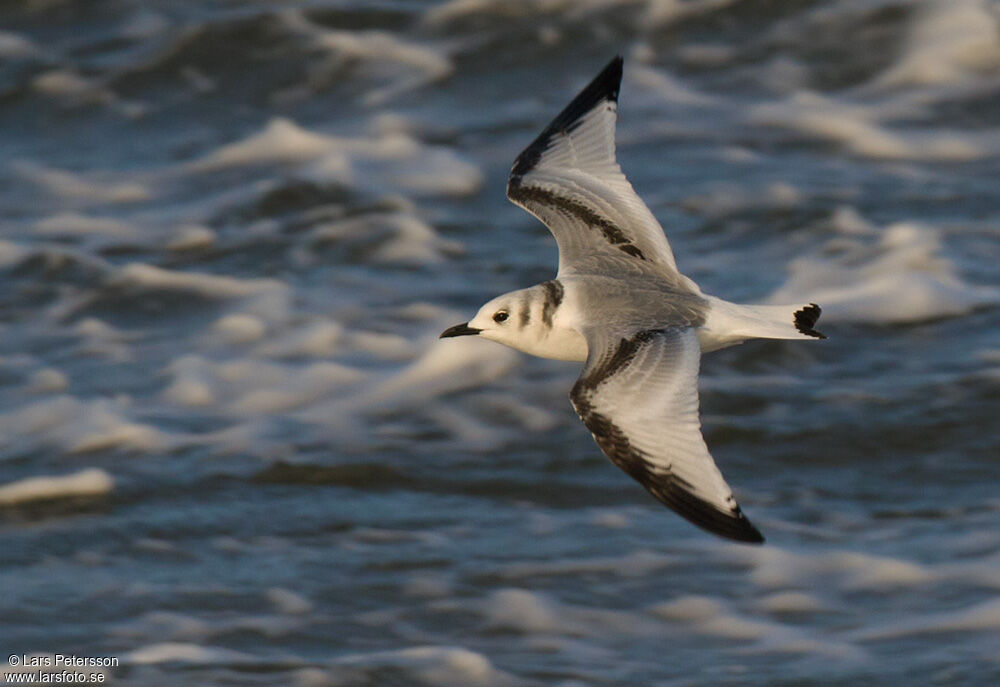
<point>232,232</point>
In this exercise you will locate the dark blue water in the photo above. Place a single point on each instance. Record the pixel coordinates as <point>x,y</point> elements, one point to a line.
<point>233,450</point>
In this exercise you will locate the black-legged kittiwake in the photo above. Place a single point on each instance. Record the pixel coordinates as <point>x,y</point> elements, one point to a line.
<point>619,303</point>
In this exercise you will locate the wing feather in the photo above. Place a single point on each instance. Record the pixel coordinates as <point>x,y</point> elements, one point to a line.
<point>638,396</point>
<point>570,179</point>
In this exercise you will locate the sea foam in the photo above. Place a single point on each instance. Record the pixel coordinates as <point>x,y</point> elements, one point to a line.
<point>90,482</point>
<point>900,277</point>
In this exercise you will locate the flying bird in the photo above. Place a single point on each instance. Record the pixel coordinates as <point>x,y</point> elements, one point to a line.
<point>619,304</point>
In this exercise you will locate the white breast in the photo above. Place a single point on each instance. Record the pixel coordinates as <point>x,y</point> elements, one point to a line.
<point>558,343</point>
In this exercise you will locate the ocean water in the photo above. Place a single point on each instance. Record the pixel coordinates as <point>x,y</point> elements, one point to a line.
<point>233,451</point>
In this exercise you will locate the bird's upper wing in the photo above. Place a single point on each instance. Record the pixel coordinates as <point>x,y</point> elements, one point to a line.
<point>638,395</point>
<point>570,180</point>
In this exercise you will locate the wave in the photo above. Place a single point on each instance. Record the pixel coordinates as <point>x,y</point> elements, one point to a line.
<point>85,483</point>
<point>896,275</point>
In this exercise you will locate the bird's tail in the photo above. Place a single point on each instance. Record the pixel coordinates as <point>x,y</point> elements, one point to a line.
<point>730,323</point>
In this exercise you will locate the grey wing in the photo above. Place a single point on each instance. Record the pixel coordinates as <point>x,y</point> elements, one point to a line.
<point>570,180</point>
<point>638,395</point>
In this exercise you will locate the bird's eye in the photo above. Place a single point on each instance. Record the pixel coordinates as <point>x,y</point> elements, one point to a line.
<point>500,316</point>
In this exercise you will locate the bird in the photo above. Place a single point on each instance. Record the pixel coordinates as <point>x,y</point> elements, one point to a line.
<point>619,304</point>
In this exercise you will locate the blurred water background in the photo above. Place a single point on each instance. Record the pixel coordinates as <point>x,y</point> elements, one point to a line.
<point>234,452</point>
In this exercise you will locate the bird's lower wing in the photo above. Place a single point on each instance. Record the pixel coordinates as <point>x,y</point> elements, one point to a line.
<point>638,395</point>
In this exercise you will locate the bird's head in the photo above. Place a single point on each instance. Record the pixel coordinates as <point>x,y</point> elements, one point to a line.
<point>497,321</point>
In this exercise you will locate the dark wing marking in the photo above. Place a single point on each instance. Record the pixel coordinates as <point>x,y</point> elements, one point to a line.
<point>603,89</point>
<point>570,179</point>
<point>553,297</point>
<point>806,319</point>
<point>638,396</point>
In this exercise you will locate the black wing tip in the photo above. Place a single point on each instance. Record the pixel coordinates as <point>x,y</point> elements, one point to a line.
<point>732,525</point>
<point>604,86</point>
<point>747,534</point>
<point>806,318</point>
<point>608,83</point>
<point>672,492</point>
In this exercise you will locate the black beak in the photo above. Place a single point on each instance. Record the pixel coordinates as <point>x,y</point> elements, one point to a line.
<point>459,330</point>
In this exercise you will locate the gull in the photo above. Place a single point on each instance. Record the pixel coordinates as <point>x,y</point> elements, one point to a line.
<point>619,304</point>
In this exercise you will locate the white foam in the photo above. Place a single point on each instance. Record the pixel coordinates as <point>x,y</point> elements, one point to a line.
<point>775,567</point>
<point>164,626</point>
<point>188,390</point>
<point>273,375</point>
<point>70,88</point>
<point>305,386</point>
<point>444,367</point>
<point>661,13</point>
<point>63,82</point>
<point>825,649</point>
<point>727,199</point>
<point>78,187</point>
<point>950,41</point>
<point>52,257</point>
<point>847,220</point>
<point>710,617</point>
<point>430,171</point>
<point>790,602</point>
<point>280,141</point>
<point>902,278</point>
<point>434,665</point>
<point>401,238</point>
<point>251,386</point>
<point>978,618</point>
<point>857,129</point>
<point>192,237</point>
<point>12,253</point>
<point>182,637</point>
<point>385,346</point>
<point>534,614</point>
<point>183,652</point>
<point>426,585</point>
<point>112,433</point>
<point>658,14</point>
<point>469,430</point>
<point>688,609</point>
<point>377,54</point>
<point>46,381</point>
<point>102,340</point>
<point>314,338</point>
<point>322,337</point>
<point>73,224</point>
<point>532,417</point>
<point>390,158</point>
<point>288,602</point>
<point>13,45</point>
<point>91,482</point>
<point>526,612</point>
<point>80,426</point>
<point>142,276</point>
<point>239,328</point>
<point>610,519</point>
<point>667,87</point>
